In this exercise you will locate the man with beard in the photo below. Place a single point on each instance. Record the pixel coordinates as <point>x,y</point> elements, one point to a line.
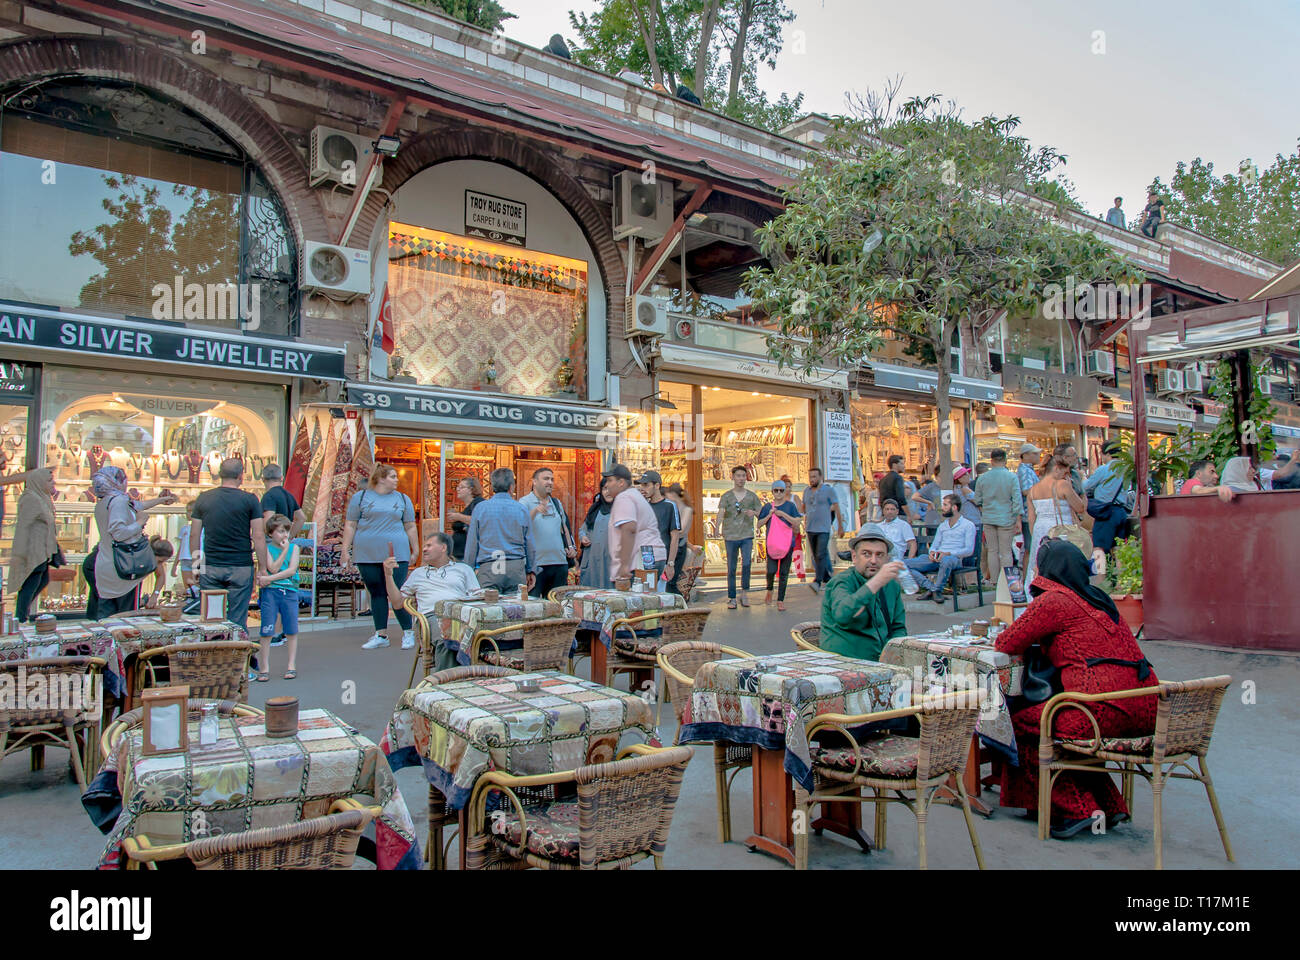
<point>954,541</point>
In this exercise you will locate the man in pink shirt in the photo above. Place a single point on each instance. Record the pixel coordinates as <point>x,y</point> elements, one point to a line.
<point>634,542</point>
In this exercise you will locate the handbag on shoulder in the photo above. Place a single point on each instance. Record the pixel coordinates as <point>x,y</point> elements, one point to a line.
<point>1042,677</point>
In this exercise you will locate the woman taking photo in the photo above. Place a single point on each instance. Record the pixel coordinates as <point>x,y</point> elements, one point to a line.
<point>1052,503</point>
<point>380,523</point>
<point>1081,633</point>
<point>593,535</point>
<point>119,519</point>
<point>783,520</point>
<point>36,548</point>
<point>686,512</point>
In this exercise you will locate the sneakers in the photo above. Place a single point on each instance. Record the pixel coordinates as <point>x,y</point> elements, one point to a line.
<point>278,640</point>
<point>815,587</point>
<point>408,639</point>
<point>375,642</point>
<point>1065,829</point>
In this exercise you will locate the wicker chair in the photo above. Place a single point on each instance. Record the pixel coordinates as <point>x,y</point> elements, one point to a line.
<point>559,593</point>
<point>74,726</point>
<point>807,635</point>
<point>1185,716</point>
<point>919,765</point>
<point>621,814</point>
<point>680,662</point>
<point>637,655</point>
<point>133,718</point>
<point>321,843</point>
<point>423,641</point>
<point>213,671</point>
<point>547,645</point>
<point>582,639</point>
<point>435,851</point>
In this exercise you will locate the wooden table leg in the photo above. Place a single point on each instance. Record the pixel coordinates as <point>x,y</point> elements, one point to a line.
<point>971,778</point>
<point>599,655</point>
<point>774,811</point>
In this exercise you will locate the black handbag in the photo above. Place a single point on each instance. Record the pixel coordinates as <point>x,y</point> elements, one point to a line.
<point>134,559</point>
<point>1042,677</point>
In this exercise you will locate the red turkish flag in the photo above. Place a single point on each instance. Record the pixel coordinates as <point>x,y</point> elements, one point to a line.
<point>387,342</point>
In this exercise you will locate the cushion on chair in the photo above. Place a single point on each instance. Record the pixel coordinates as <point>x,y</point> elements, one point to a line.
<point>888,756</point>
<point>552,830</point>
<point>514,659</point>
<point>1133,745</point>
<point>644,647</point>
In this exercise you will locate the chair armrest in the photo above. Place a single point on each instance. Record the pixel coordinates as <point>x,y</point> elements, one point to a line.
<point>141,850</point>
<point>504,783</point>
<point>672,671</point>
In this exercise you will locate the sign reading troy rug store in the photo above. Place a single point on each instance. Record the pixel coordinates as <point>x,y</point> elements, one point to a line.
<point>489,410</point>
<point>1048,388</point>
<point>495,218</point>
<point>54,330</point>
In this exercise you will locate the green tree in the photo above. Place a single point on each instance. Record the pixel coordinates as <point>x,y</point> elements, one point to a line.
<point>484,14</point>
<point>1252,211</point>
<point>916,222</point>
<point>133,245</point>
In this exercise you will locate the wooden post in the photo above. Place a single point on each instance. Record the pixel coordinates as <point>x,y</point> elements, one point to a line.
<point>1242,390</point>
<point>695,467</point>
<point>1141,452</point>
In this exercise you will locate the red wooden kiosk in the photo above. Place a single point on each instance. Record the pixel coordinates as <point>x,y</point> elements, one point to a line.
<point>1226,574</point>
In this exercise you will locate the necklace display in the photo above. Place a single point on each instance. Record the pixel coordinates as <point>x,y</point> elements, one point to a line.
<point>172,464</point>
<point>214,464</point>
<point>97,457</point>
<point>154,460</point>
<point>193,461</point>
<point>137,464</point>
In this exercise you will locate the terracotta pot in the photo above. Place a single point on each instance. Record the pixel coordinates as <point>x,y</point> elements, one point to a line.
<point>1130,608</point>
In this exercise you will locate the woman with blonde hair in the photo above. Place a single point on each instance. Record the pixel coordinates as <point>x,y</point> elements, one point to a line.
<point>380,523</point>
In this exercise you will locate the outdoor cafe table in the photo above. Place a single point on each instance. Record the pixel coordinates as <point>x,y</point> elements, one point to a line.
<point>461,619</point>
<point>935,661</point>
<point>733,700</point>
<point>598,609</point>
<point>458,731</point>
<point>245,781</point>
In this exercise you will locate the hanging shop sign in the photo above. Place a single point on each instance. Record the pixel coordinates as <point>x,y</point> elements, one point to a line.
<point>1158,413</point>
<point>449,407</point>
<point>838,445</point>
<point>70,332</point>
<point>495,218</point>
<point>927,381</point>
<point>675,357</point>
<point>182,407</point>
<point>1047,388</point>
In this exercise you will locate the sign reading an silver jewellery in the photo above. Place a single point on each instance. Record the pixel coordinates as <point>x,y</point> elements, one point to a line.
<point>495,218</point>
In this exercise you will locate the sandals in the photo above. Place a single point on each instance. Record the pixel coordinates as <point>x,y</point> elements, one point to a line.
<point>263,676</point>
<point>731,604</point>
<point>291,674</point>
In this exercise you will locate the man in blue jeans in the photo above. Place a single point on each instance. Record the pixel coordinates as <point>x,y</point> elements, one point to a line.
<point>228,522</point>
<point>737,509</point>
<point>820,505</point>
<point>954,541</point>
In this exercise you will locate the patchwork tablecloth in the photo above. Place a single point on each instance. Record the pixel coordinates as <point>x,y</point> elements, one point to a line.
<point>245,781</point>
<point>598,609</point>
<point>942,663</point>
<point>735,700</point>
<point>461,619</point>
<point>458,731</point>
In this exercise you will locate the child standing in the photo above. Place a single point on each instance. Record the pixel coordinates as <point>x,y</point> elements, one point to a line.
<point>183,558</point>
<point>279,595</point>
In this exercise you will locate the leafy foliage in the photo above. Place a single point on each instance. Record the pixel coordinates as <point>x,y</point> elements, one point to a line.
<point>1125,573</point>
<point>912,221</point>
<point>484,14</point>
<point>1256,213</point>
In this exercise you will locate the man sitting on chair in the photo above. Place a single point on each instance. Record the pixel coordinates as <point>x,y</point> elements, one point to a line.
<point>438,578</point>
<point>954,541</point>
<point>862,607</point>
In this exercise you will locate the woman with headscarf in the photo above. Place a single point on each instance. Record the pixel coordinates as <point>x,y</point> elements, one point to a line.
<point>594,538</point>
<point>36,548</point>
<point>119,520</point>
<point>1240,476</point>
<point>1080,630</point>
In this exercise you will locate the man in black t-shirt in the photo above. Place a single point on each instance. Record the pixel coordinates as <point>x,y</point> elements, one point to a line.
<point>279,500</point>
<point>228,522</point>
<point>891,487</point>
<point>1153,214</point>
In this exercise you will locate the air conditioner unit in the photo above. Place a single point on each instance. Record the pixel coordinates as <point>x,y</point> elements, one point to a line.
<point>1099,363</point>
<point>645,317</point>
<point>1193,381</point>
<point>340,272</point>
<point>1169,381</point>
<point>339,157</point>
<point>642,209</point>
<point>1265,385</point>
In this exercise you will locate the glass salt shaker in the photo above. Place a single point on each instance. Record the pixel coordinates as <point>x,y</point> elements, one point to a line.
<point>208,725</point>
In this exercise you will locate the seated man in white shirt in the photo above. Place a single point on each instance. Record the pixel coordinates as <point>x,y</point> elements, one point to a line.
<point>439,578</point>
<point>954,541</point>
<point>899,531</point>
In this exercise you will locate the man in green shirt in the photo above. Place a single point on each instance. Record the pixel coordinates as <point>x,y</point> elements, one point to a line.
<point>862,607</point>
<point>737,509</point>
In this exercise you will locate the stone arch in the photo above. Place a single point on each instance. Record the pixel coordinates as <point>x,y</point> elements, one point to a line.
<point>198,90</point>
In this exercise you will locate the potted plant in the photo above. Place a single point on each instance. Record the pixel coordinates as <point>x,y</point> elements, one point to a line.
<point>1126,581</point>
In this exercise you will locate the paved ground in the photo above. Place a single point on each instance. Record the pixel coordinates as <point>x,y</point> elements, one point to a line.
<point>42,824</point>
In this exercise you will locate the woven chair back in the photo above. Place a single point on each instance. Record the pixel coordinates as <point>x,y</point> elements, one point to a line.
<point>214,671</point>
<point>321,843</point>
<point>63,685</point>
<point>680,626</point>
<point>1186,715</point>
<point>477,671</point>
<point>809,633</point>
<point>946,730</point>
<point>547,643</point>
<point>687,657</point>
<point>626,807</point>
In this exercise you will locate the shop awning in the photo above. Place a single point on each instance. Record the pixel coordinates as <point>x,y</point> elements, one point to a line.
<point>1025,411</point>
<point>891,376</point>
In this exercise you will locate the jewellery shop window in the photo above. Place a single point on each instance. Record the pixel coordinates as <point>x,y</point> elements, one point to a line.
<point>169,434</point>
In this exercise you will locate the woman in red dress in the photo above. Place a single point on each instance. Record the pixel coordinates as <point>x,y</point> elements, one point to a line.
<point>1081,632</point>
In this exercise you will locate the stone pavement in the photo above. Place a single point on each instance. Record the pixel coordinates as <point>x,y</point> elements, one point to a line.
<point>42,824</point>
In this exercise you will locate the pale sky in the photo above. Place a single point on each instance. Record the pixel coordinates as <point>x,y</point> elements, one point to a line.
<point>1178,78</point>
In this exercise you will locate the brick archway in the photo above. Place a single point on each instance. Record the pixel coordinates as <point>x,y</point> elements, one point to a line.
<point>198,90</point>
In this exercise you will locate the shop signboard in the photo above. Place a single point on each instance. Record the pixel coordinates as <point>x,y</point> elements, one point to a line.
<point>76,333</point>
<point>838,444</point>
<point>1047,388</point>
<point>495,218</point>
<point>473,411</point>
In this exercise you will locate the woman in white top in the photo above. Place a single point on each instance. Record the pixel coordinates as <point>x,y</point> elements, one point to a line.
<point>1052,502</point>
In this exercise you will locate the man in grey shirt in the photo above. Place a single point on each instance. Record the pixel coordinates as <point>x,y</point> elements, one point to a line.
<point>1115,215</point>
<point>819,505</point>
<point>499,542</point>
<point>552,541</point>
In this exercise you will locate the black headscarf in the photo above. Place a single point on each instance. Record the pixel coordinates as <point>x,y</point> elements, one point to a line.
<point>1063,563</point>
<point>598,506</point>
